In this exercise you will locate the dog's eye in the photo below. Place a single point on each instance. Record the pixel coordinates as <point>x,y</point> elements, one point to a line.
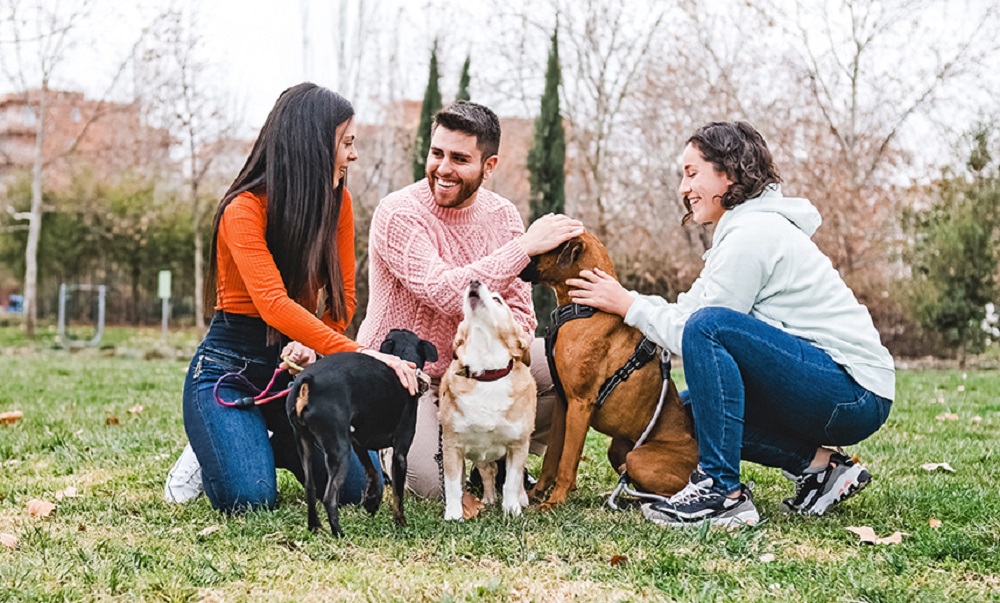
<point>497,299</point>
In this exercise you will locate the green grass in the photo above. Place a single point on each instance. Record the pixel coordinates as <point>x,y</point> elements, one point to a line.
<point>119,541</point>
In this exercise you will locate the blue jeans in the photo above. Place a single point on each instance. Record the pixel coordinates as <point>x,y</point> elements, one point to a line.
<point>237,458</point>
<point>763,395</point>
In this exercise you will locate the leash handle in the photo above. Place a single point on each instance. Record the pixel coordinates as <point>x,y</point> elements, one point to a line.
<point>261,395</point>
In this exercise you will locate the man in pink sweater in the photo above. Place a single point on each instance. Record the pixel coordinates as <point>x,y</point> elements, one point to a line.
<point>428,240</point>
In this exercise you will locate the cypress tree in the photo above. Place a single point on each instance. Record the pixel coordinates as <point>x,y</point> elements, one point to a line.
<point>546,164</point>
<point>432,103</point>
<point>463,81</point>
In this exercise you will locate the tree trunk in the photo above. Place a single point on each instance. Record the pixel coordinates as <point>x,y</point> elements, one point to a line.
<point>34,222</point>
<point>199,275</point>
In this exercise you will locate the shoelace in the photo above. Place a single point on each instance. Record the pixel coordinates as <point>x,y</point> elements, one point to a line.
<point>690,492</point>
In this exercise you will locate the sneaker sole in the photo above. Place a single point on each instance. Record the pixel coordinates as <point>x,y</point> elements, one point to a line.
<point>852,482</point>
<point>749,517</point>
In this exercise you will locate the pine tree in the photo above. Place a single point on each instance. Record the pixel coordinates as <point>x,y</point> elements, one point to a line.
<point>463,82</point>
<point>546,164</point>
<point>432,103</point>
<point>956,252</point>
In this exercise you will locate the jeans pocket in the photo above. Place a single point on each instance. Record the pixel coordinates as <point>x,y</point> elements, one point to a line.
<point>854,421</point>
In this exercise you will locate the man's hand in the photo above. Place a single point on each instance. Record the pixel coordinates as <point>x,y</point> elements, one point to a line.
<point>296,357</point>
<point>548,232</point>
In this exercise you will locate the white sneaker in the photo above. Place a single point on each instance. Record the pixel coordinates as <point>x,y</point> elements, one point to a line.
<point>184,480</point>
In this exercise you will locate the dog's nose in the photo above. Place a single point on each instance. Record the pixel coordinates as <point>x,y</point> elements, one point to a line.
<point>474,285</point>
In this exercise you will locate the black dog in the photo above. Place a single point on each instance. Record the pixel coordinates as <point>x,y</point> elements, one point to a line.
<point>351,400</point>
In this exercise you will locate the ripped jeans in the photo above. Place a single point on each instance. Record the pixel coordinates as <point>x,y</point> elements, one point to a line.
<point>237,457</point>
<point>763,395</point>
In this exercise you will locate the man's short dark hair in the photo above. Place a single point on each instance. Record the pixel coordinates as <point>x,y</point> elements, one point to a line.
<point>475,120</point>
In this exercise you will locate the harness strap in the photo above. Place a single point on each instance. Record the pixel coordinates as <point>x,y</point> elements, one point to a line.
<point>645,351</point>
<point>560,316</point>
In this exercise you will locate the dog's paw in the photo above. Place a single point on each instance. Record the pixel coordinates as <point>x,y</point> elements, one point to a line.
<point>512,509</point>
<point>489,500</point>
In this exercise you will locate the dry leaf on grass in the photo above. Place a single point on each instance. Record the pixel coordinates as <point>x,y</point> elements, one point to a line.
<point>135,410</point>
<point>960,388</point>
<point>934,522</point>
<point>471,505</point>
<point>766,558</point>
<point>936,466</point>
<point>947,416</point>
<point>39,508</point>
<point>868,536</point>
<point>9,541</point>
<point>209,530</point>
<point>10,417</point>
<point>617,560</point>
<point>67,493</point>
<point>977,419</point>
<point>112,420</point>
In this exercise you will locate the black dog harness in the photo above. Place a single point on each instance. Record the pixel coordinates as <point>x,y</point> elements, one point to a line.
<point>644,352</point>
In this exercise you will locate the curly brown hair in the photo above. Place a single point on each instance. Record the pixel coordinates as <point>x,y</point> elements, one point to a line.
<point>738,150</point>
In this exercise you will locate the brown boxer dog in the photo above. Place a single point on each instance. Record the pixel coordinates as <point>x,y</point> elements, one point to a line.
<point>588,351</point>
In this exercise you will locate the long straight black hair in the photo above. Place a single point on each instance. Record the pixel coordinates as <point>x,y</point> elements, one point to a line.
<point>292,163</point>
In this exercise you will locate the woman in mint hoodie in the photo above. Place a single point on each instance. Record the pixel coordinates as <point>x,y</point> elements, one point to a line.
<point>780,359</point>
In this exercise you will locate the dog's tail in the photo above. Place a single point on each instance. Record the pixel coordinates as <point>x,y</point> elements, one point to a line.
<point>300,391</point>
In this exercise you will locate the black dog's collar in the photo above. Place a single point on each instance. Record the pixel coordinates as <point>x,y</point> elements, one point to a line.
<point>490,375</point>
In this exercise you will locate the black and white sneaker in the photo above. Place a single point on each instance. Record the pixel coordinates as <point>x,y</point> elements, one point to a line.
<point>697,502</point>
<point>816,493</point>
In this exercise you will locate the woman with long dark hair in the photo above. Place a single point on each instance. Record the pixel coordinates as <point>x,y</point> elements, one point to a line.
<point>780,359</point>
<point>283,239</point>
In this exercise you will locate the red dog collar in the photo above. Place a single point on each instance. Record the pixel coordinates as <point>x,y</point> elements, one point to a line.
<point>491,375</point>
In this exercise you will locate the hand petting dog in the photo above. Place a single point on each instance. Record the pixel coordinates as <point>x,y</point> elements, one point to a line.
<point>600,290</point>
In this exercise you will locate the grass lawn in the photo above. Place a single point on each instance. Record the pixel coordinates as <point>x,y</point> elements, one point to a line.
<point>117,540</point>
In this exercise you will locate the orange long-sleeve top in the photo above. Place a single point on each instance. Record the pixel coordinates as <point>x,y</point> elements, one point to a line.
<point>249,283</point>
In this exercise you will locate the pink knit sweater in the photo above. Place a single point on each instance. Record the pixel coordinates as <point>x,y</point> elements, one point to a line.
<point>421,257</point>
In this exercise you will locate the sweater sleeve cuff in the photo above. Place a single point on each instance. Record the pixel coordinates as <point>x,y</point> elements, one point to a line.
<point>638,311</point>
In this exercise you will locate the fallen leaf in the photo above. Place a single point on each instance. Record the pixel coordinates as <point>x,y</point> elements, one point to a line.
<point>209,530</point>
<point>135,410</point>
<point>766,558</point>
<point>81,528</point>
<point>936,466</point>
<point>960,388</point>
<point>10,417</point>
<point>67,493</point>
<point>617,560</point>
<point>9,541</point>
<point>39,508</point>
<point>934,523</point>
<point>471,505</point>
<point>868,536</point>
<point>965,376</point>
<point>112,420</point>
<point>947,416</point>
<point>977,419</point>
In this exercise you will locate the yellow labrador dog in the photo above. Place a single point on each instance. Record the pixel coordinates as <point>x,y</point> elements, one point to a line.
<point>487,402</point>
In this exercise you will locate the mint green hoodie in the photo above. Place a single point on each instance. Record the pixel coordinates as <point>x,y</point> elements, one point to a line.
<point>763,263</point>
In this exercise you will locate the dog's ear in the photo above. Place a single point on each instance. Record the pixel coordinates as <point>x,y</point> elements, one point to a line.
<point>526,349</point>
<point>429,351</point>
<point>570,253</point>
<point>387,346</point>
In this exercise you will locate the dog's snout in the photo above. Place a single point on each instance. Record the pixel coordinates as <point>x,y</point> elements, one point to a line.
<point>474,287</point>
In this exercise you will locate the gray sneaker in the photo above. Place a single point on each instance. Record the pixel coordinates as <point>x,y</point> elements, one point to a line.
<point>816,493</point>
<point>697,503</point>
<point>184,480</point>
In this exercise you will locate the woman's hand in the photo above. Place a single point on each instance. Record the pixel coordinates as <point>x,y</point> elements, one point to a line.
<point>296,357</point>
<point>600,290</point>
<point>405,370</point>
